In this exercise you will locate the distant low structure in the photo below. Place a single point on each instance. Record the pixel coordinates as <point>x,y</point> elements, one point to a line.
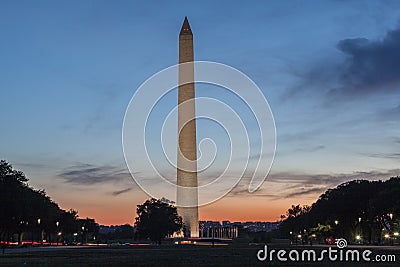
<point>228,229</point>
<point>211,229</point>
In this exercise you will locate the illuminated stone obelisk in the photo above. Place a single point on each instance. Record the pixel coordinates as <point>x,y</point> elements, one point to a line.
<point>187,195</point>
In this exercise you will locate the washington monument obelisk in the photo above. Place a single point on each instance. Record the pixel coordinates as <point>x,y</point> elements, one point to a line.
<point>187,195</point>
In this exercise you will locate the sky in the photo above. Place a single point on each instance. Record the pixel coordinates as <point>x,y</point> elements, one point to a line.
<point>330,71</point>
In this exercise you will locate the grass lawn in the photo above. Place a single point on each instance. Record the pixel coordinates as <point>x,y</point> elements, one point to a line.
<point>169,255</point>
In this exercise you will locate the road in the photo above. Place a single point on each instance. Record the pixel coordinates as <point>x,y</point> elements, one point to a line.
<point>38,249</point>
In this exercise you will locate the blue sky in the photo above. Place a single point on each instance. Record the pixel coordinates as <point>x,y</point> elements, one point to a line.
<point>329,69</point>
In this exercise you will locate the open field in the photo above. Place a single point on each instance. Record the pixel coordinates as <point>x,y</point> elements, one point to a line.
<point>169,255</point>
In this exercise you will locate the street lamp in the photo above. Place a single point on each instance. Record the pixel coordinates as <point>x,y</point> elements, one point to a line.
<point>57,224</point>
<point>83,233</point>
<point>336,228</point>
<point>58,237</point>
<point>391,216</point>
<point>359,219</point>
<point>40,231</point>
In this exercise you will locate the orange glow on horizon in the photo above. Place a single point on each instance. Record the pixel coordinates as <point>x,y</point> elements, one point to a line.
<point>231,209</point>
<point>111,210</point>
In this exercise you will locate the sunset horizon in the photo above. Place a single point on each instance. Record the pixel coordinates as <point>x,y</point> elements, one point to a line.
<point>200,133</point>
<point>330,82</point>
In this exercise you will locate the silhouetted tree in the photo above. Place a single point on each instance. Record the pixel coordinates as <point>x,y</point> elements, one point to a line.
<point>358,207</point>
<point>89,229</point>
<point>124,232</point>
<point>156,219</point>
<point>27,210</point>
<point>119,232</point>
<point>295,220</point>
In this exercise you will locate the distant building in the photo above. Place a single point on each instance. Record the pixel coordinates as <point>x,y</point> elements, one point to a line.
<point>231,229</point>
<point>213,229</point>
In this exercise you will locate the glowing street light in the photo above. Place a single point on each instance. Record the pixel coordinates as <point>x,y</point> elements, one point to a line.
<point>391,216</point>
<point>40,229</point>
<point>396,233</point>
<point>387,235</point>
<point>57,223</point>
<point>358,237</point>
<point>83,234</point>
<point>336,222</point>
<point>359,219</point>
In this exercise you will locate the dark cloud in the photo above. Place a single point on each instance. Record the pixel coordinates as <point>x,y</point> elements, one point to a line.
<point>242,190</point>
<point>310,149</point>
<point>371,66</point>
<point>395,156</point>
<point>303,192</point>
<point>32,165</point>
<point>290,185</point>
<point>87,174</point>
<point>116,193</point>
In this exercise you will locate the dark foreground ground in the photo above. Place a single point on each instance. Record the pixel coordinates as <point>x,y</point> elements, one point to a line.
<point>170,255</point>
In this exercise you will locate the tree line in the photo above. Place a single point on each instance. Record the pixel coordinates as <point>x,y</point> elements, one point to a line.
<point>360,211</point>
<point>31,212</point>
